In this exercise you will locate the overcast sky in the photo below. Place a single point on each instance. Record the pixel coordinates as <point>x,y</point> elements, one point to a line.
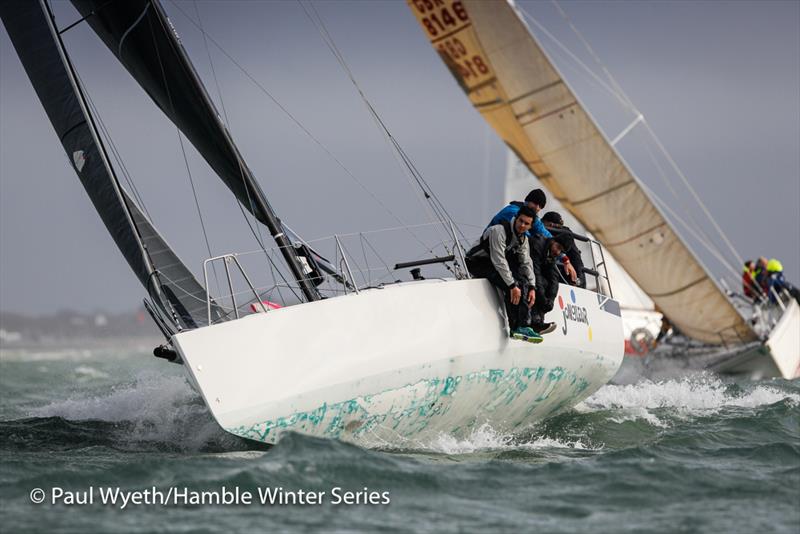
<point>718,81</point>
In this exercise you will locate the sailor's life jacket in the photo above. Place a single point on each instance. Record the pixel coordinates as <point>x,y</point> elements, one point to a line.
<point>497,244</point>
<point>509,213</point>
<point>749,285</point>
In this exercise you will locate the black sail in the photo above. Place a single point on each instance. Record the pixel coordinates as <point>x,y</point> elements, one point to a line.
<point>186,297</point>
<point>142,38</point>
<point>166,279</point>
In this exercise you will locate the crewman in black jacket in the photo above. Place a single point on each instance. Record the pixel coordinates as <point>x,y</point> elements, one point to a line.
<point>544,254</point>
<point>555,224</point>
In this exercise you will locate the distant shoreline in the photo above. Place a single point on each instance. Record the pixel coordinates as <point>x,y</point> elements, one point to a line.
<point>76,329</point>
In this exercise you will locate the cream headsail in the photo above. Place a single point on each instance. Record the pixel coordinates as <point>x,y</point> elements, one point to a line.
<point>512,83</point>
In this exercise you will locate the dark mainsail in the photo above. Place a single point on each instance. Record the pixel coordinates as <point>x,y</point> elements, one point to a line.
<point>168,281</point>
<point>139,34</point>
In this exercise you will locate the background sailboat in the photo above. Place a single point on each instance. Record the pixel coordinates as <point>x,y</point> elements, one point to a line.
<point>513,84</point>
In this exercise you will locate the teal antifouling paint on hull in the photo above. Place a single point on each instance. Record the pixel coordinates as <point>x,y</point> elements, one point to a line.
<point>451,404</point>
<point>450,385</point>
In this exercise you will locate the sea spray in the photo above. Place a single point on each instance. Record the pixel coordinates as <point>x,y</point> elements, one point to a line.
<point>152,407</point>
<point>700,395</point>
<point>700,454</point>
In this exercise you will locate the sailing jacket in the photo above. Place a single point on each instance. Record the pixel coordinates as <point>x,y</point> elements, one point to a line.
<point>575,258</point>
<point>537,228</point>
<point>510,212</point>
<point>778,283</point>
<point>749,285</point>
<point>496,243</point>
<point>546,271</point>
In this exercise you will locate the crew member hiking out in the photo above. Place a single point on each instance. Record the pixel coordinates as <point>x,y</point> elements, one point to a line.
<point>553,221</point>
<point>535,200</point>
<point>545,253</point>
<point>778,283</point>
<point>762,275</point>
<point>750,287</point>
<point>489,259</point>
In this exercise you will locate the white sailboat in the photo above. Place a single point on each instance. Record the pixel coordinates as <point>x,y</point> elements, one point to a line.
<point>513,84</point>
<point>382,365</point>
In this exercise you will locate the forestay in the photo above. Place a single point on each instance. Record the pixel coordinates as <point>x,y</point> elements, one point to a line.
<point>511,82</point>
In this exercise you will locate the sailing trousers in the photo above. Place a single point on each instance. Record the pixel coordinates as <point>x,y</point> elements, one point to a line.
<point>518,314</point>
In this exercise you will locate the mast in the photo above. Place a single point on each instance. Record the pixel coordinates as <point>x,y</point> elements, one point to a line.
<point>76,87</point>
<point>140,35</point>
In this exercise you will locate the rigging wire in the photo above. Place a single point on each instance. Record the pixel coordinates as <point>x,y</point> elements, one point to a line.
<point>298,123</point>
<point>437,207</point>
<point>622,99</point>
<point>618,89</point>
<point>692,190</point>
<point>114,151</point>
<point>666,207</point>
<point>618,92</point>
<point>615,90</point>
<point>257,235</point>
<point>706,240</point>
<point>183,151</point>
<point>197,205</point>
<point>260,239</point>
<point>622,95</point>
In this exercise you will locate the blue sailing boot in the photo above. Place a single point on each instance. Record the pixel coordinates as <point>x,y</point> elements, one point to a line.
<point>526,333</point>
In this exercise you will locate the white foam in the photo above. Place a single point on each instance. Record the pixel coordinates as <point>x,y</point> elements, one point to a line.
<point>88,372</point>
<point>486,439</point>
<point>695,396</point>
<point>47,355</point>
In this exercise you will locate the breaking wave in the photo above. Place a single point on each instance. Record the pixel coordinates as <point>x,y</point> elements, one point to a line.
<point>153,412</point>
<point>700,395</point>
<point>163,412</point>
<point>150,398</point>
<point>621,416</point>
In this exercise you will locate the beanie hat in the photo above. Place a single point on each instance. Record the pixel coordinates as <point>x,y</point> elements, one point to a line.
<point>565,240</point>
<point>553,217</point>
<point>537,196</point>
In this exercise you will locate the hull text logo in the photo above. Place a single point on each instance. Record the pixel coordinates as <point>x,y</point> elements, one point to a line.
<point>572,312</point>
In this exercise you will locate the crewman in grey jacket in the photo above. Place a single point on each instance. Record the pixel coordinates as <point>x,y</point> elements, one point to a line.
<point>502,256</point>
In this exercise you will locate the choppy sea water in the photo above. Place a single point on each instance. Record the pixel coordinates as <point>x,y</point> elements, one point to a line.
<point>700,454</point>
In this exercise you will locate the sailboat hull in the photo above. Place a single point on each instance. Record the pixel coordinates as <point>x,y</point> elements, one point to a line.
<point>400,365</point>
<point>778,356</point>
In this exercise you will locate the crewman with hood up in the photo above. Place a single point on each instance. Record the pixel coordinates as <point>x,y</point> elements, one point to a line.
<point>545,254</point>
